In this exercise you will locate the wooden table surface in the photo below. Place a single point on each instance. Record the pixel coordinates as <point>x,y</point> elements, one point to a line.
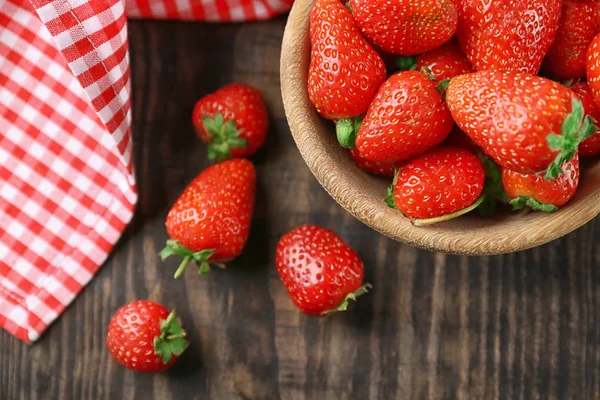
<point>520,326</point>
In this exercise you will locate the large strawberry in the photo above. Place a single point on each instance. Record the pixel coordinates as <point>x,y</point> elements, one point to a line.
<point>593,67</point>
<point>407,117</point>
<point>578,25</point>
<point>145,337</point>
<point>320,272</point>
<point>345,71</point>
<point>233,121</point>
<point>438,186</point>
<point>210,221</point>
<point>531,190</point>
<point>590,146</point>
<point>406,27</point>
<point>507,35</point>
<point>444,62</point>
<point>525,123</point>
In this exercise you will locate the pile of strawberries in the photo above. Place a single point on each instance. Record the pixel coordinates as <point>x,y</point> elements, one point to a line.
<point>461,119</point>
<point>210,223</point>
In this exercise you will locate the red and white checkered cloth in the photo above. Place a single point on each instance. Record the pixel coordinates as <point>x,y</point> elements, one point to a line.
<point>67,189</point>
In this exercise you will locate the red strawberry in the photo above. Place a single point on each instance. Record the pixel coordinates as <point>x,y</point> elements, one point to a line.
<point>372,167</point>
<point>145,337</point>
<point>534,191</point>
<point>507,35</point>
<point>590,146</point>
<point>407,117</point>
<point>525,123</point>
<point>593,67</point>
<point>345,72</point>
<point>577,28</point>
<point>445,62</point>
<point>320,272</point>
<point>406,27</point>
<point>210,221</point>
<point>437,186</point>
<point>233,121</point>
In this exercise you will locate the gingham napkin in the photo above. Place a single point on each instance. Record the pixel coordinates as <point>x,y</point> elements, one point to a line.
<point>67,189</point>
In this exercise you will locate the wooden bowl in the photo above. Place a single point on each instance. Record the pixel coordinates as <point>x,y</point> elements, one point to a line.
<point>362,195</point>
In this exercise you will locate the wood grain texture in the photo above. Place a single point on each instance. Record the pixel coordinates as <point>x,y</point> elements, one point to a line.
<point>521,326</point>
<point>361,194</point>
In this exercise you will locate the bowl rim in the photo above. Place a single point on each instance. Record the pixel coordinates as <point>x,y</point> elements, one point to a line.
<point>349,186</point>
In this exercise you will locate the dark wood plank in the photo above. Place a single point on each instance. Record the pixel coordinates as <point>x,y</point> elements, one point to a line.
<point>520,326</point>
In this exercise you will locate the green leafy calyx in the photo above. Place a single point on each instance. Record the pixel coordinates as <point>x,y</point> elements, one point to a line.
<point>224,136</point>
<point>346,130</point>
<point>343,306</point>
<point>526,201</point>
<point>406,63</point>
<point>171,340</point>
<point>200,258</point>
<point>493,189</point>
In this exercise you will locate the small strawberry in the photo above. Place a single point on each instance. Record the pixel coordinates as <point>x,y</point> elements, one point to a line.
<point>210,221</point>
<point>578,25</point>
<point>525,123</point>
<point>534,191</point>
<point>345,71</point>
<point>320,272</point>
<point>372,167</point>
<point>438,186</point>
<point>406,27</point>
<point>591,146</point>
<point>507,35</point>
<point>407,117</point>
<point>145,337</point>
<point>233,121</point>
<point>593,67</point>
<point>444,62</point>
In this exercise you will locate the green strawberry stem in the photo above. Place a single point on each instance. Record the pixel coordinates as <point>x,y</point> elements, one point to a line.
<point>526,201</point>
<point>224,136</point>
<point>346,130</point>
<point>171,340</point>
<point>576,128</point>
<point>406,63</point>
<point>431,221</point>
<point>389,199</point>
<point>493,188</point>
<point>200,258</point>
<point>343,306</point>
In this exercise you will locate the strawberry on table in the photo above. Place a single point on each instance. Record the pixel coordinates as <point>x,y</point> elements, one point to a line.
<point>320,272</point>
<point>507,35</point>
<point>406,27</point>
<point>578,25</point>
<point>591,146</point>
<point>444,62</point>
<point>210,221</point>
<point>345,71</point>
<point>533,191</point>
<point>440,185</point>
<point>407,117</point>
<point>525,123</point>
<point>145,337</point>
<point>372,167</point>
<point>233,121</point>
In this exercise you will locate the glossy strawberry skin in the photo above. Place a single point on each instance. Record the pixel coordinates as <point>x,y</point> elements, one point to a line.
<point>407,117</point>
<point>593,68</point>
<point>556,192</point>
<point>438,183</point>
<point>215,210</point>
<point>345,71</point>
<point>578,25</point>
<point>445,62</point>
<point>372,167</point>
<point>131,333</point>
<point>406,27</point>
<point>591,146</point>
<point>507,35</point>
<point>509,115</point>
<point>317,268</point>
<point>244,105</point>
